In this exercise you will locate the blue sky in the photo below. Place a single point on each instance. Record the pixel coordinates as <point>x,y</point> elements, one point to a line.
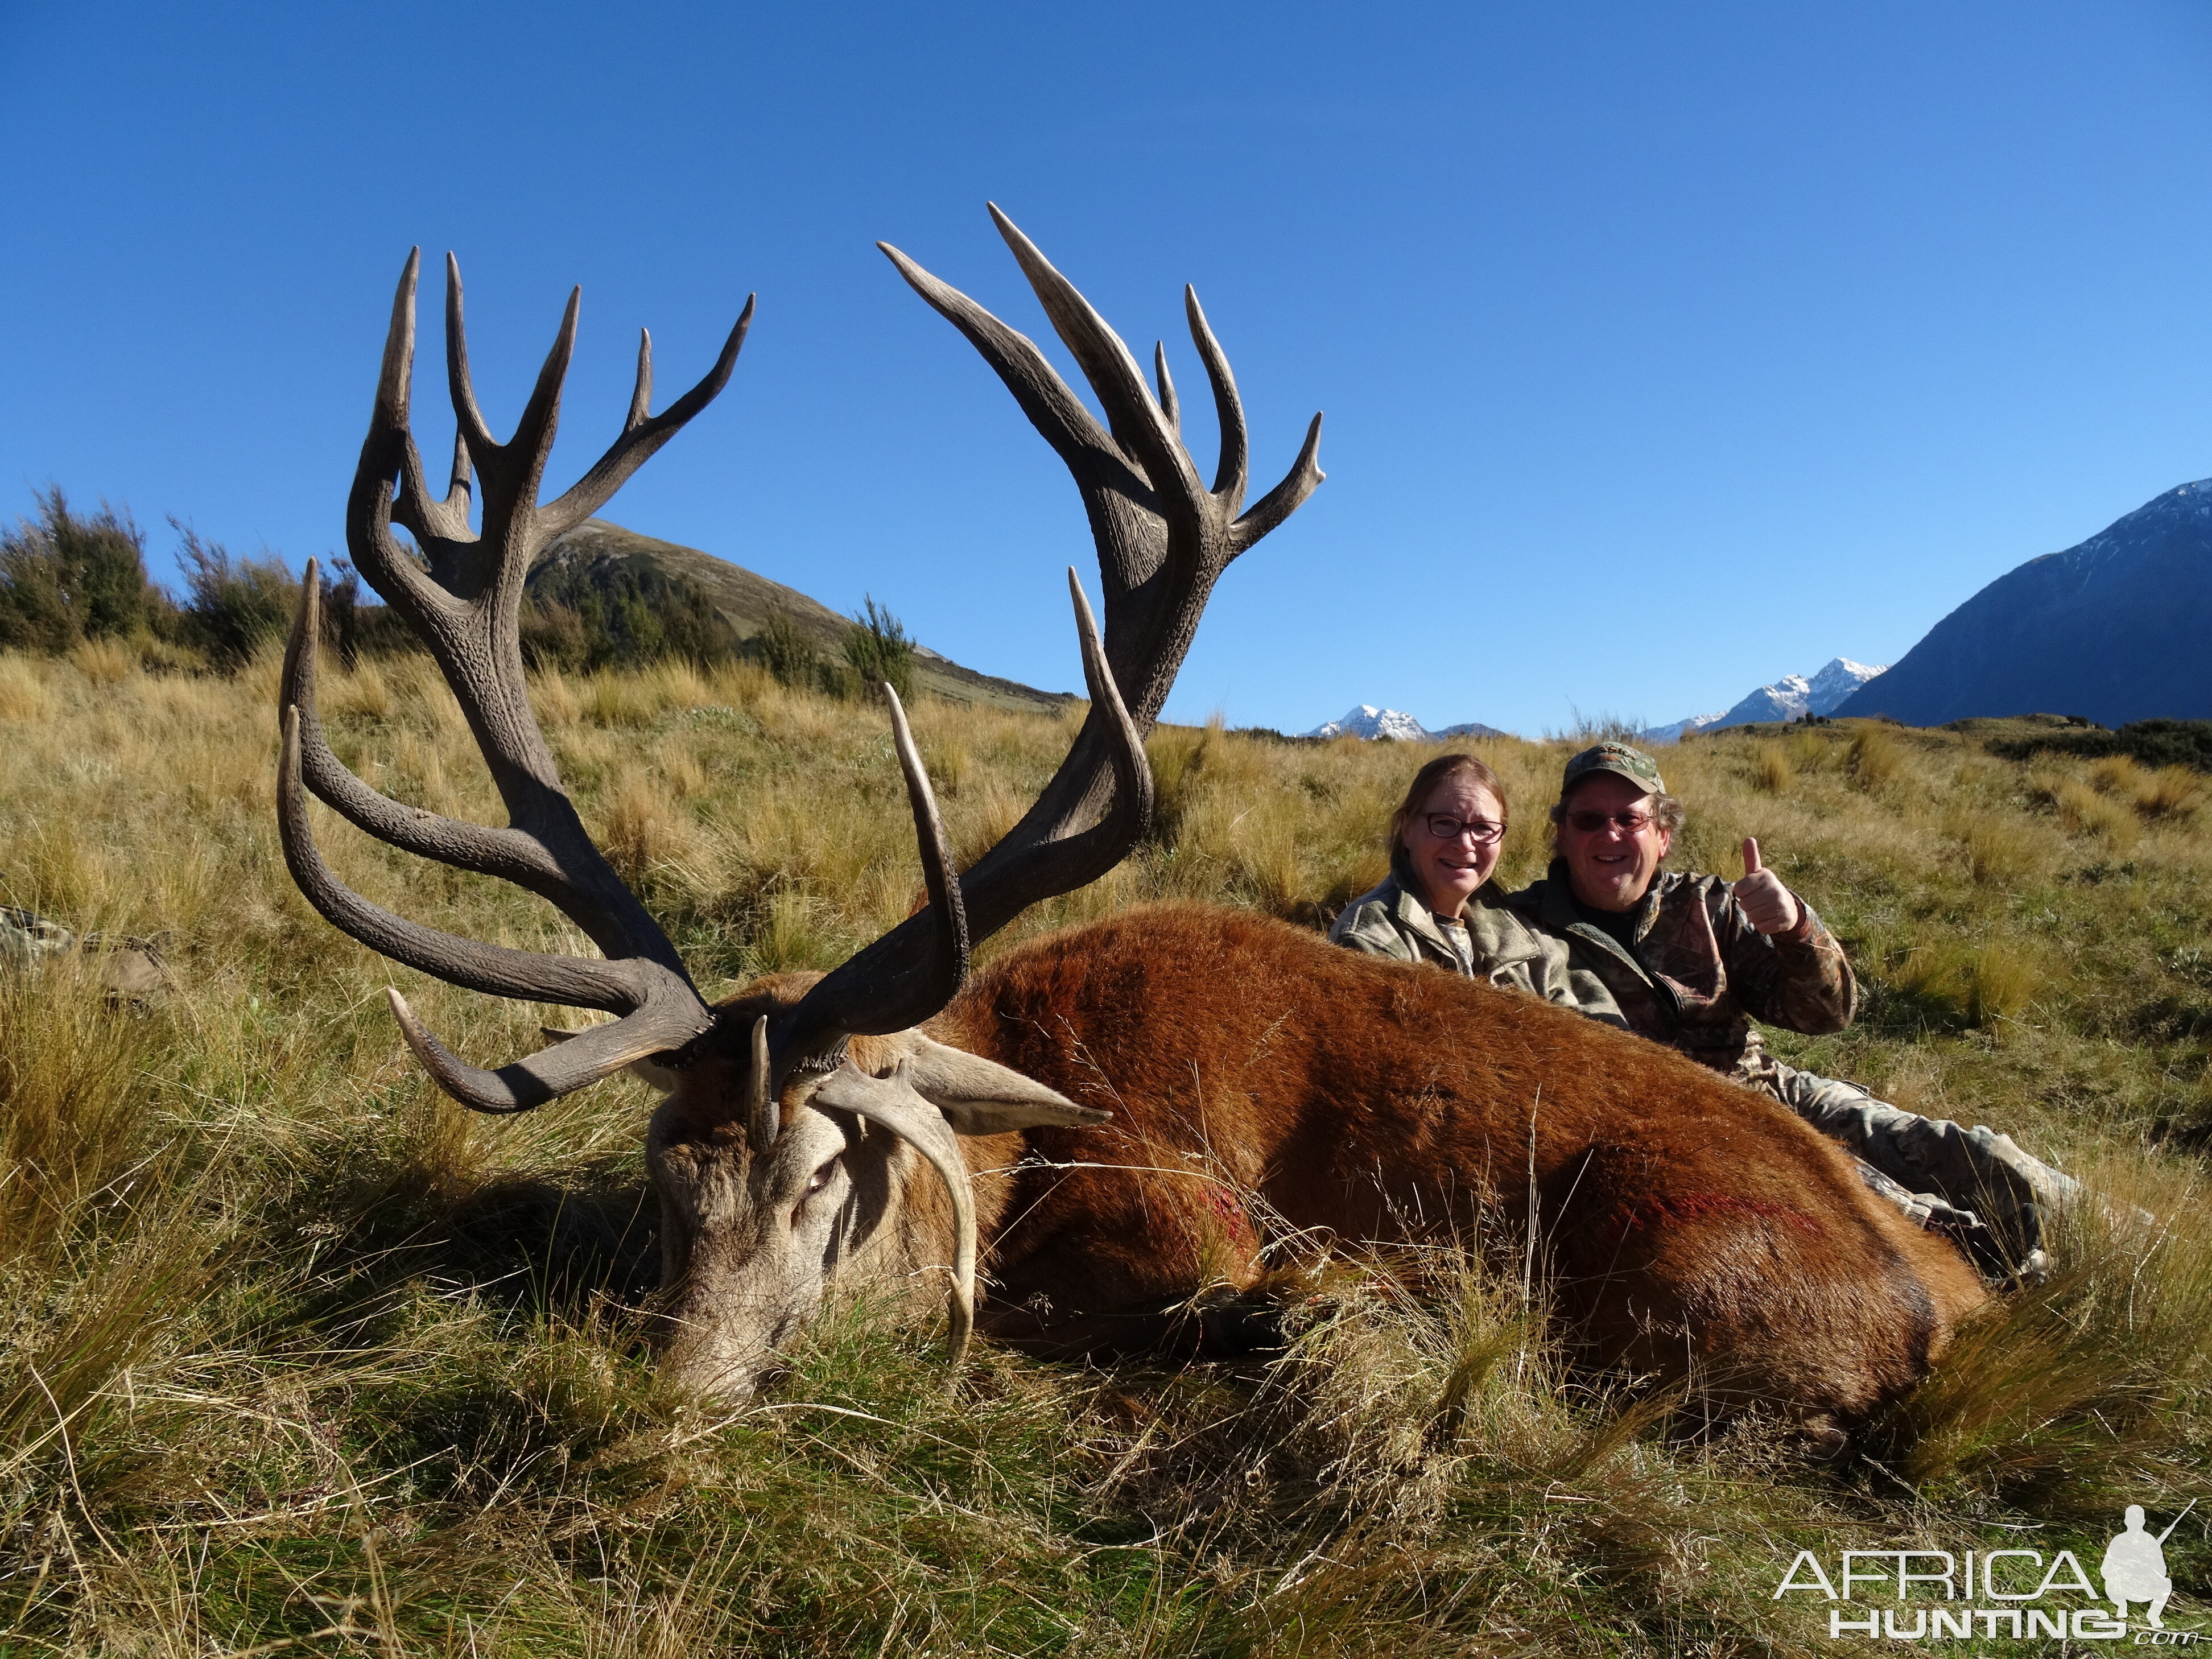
<point>1664,350</point>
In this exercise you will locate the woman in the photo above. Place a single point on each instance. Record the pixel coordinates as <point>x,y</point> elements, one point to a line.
<point>1607,928</point>
<point>1438,904</point>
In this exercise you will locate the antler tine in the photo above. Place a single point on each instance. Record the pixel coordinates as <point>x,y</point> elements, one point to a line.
<point>640,437</point>
<point>507,854</point>
<point>950,968</point>
<point>762,1108</point>
<point>1304,477</point>
<point>496,970</point>
<point>523,457</point>
<point>389,459</point>
<point>1056,412</point>
<point>475,433</point>
<point>457,491</point>
<point>1235,469</point>
<point>564,1067</point>
<point>1135,420</point>
<point>1044,855</point>
<point>911,972</point>
<point>640,396</point>
<point>1170,406</point>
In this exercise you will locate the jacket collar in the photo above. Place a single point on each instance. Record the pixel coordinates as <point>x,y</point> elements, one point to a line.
<point>1552,901</point>
<point>1412,913</point>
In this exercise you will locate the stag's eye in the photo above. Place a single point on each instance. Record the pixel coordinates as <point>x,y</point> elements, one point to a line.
<point>820,1178</point>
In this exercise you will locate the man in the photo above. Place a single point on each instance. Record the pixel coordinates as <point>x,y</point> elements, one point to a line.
<point>2135,1569</point>
<point>1691,960</point>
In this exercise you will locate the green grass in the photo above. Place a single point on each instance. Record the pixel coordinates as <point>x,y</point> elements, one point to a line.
<point>298,1358</point>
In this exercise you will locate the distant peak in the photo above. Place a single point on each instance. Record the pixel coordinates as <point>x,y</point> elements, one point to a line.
<point>1367,721</point>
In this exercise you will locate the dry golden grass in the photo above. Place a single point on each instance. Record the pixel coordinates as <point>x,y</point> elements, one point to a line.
<point>341,1367</point>
<point>1873,758</point>
<point>23,694</point>
<point>1773,771</point>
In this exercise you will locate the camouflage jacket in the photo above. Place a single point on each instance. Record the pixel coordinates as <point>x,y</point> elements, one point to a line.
<point>1393,920</point>
<point>1700,973</point>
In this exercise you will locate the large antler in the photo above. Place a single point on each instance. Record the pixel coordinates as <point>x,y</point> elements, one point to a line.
<point>463,599</point>
<point>1164,538</point>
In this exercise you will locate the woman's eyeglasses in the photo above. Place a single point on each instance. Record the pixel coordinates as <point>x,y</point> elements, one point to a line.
<point>1588,823</point>
<point>1444,826</point>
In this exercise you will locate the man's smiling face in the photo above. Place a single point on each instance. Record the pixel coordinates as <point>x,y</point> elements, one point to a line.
<point>1610,866</point>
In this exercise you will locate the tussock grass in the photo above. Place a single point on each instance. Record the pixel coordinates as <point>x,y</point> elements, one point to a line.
<point>1774,770</point>
<point>1872,757</point>
<point>297,1357</point>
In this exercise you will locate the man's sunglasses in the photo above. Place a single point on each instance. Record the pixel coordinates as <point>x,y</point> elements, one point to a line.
<point>1444,826</point>
<point>1588,823</point>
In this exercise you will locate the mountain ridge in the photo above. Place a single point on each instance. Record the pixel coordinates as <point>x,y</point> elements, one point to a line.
<point>1789,698</point>
<point>1393,725</point>
<point>2113,629</point>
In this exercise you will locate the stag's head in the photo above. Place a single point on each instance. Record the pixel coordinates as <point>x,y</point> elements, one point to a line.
<point>800,1114</point>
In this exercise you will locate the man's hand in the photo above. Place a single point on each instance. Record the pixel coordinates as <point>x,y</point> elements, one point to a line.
<point>1772,908</point>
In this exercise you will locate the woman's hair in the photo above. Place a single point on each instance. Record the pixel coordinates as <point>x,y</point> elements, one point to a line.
<point>1424,785</point>
<point>1667,812</point>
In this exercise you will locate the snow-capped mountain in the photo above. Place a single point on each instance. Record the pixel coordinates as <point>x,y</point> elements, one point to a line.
<point>1788,698</point>
<point>1369,721</point>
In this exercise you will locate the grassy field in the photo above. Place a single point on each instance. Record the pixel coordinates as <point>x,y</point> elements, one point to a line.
<point>297,1357</point>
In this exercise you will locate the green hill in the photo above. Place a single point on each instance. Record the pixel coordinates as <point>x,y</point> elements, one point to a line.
<point>603,554</point>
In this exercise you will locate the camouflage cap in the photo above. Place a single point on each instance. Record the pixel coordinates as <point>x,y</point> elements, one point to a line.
<point>1617,759</point>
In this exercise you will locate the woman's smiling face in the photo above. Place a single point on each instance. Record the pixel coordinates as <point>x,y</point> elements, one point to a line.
<point>1450,868</point>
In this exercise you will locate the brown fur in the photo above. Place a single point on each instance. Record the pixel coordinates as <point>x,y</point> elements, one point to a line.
<point>1262,1080</point>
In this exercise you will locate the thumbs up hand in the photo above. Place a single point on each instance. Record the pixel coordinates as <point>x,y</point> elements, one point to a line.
<point>1770,906</point>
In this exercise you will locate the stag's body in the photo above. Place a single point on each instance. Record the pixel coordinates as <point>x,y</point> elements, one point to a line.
<point>1264,1085</point>
<point>1086,1116</point>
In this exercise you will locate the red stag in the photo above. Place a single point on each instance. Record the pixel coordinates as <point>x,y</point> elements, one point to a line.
<point>1112,1118</point>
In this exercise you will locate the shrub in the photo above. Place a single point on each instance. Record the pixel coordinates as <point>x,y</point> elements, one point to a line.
<point>232,606</point>
<point>582,617</point>
<point>2152,743</point>
<point>878,650</point>
<point>785,651</point>
<point>65,578</point>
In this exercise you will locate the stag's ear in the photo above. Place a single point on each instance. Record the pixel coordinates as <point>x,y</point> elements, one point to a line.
<point>645,1071</point>
<point>980,1096</point>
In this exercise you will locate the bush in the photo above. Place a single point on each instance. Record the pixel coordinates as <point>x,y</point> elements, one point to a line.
<point>2153,742</point>
<point>785,651</point>
<point>878,650</point>
<point>619,614</point>
<point>65,579</point>
<point>232,606</point>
